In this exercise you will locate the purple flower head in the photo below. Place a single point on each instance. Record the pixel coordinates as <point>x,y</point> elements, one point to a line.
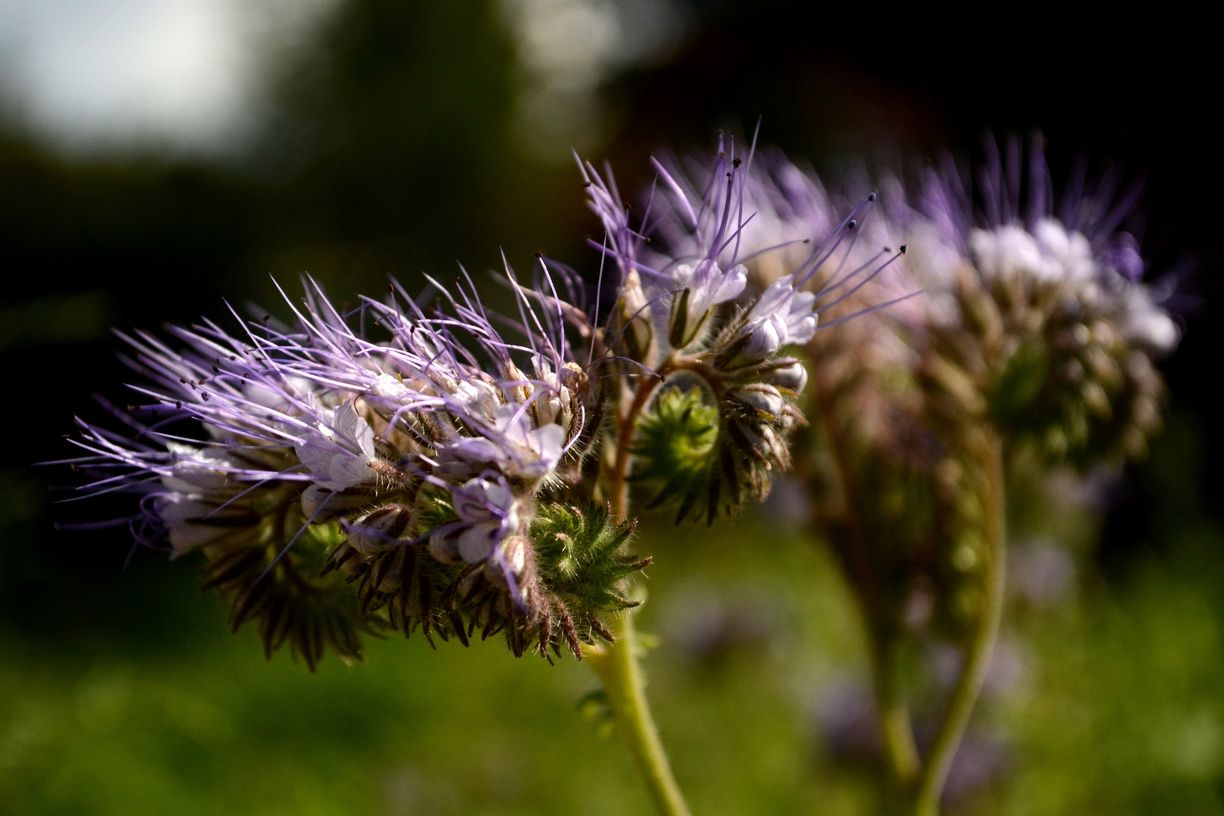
<point>253,441</point>
<point>677,292</point>
<point>1012,229</point>
<point>1035,313</point>
<point>718,225</point>
<point>733,260</point>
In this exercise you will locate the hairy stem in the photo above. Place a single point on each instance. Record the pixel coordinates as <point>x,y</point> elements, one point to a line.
<point>616,664</point>
<point>617,668</point>
<point>977,656</point>
<point>626,428</point>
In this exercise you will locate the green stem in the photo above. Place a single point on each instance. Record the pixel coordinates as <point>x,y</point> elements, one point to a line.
<point>977,657</point>
<point>896,728</point>
<point>617,668</point>
<point>896,731</point>
<point>616,664</point>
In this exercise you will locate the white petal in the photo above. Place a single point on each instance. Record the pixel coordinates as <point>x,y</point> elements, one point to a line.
<point>476,542</point>
<point>730,284</point>
<point>548,442</point>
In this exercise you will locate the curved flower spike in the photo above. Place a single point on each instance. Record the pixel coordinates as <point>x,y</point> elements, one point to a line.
<point>341,483</point>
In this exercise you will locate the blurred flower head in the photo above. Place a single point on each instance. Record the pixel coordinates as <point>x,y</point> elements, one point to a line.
<point>1038,304</point>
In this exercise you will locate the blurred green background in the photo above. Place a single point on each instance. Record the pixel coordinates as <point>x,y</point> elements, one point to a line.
<point>159,155</point>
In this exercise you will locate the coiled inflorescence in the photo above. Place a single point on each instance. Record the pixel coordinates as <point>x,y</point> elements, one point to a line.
<point>343,484</point>
<point>1039,307</point>
<point>718,397</point>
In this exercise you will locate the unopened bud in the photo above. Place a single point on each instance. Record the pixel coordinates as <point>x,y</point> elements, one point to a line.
<point>792,377</point>
<point>764,399</point>
<point>379,529</point>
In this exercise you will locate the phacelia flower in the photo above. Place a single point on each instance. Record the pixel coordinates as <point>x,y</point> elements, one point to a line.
<point>1039,307</point>
<point>780,317</point>
<point>339,450</point>
<point>693,315</point>
<point>339,484</point>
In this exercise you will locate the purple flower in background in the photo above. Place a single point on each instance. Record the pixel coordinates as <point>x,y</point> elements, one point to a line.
<point>1016,229</point>
<point>1035,315</point>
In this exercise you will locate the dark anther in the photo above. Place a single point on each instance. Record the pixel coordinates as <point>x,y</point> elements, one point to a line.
<point>736,163</point>
<point>852,224</point>
<point>871,196</point>
<point>903,248</point>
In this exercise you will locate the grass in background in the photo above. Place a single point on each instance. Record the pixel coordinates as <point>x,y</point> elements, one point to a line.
<point>1119,709</point>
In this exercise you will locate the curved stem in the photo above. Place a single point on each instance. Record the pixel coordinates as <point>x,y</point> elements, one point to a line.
<point>896,731</point>
<point>618,479</point>
<point>900,749</point>
<point>617,668</point>
<point>977,657</point>
<point>616,664</point>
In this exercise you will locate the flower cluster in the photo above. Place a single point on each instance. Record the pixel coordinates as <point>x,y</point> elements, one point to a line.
<point>344,484</point>
<point>1039,308</point>
<point>446,468</point>
<point>689,316</point>
<point>1032,321</point>
<point>430,467</point>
